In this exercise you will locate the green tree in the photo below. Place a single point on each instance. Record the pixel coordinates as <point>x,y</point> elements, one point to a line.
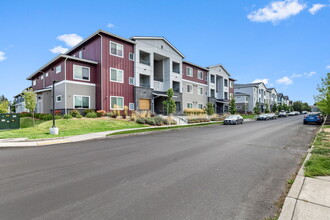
<point>274,108</point>
<point>267,108</point>
<point>297,106</point>
<point>285,107</point>
<point>209,109</point>
<point>30,99</point>
<point>323,98</point>
<point>4,106</point>
<point>232,107</point>
<point>256,109</point>
<point>3,98</point>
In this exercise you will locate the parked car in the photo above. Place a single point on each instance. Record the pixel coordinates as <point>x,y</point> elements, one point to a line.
<point>314,117</point>
<point>233,120</point>
<point>272,116</point>
<point>304,112</point>
<point>263,117</point>
<point>282,114</point>
<point>297,113</point>
<point>292,114</point>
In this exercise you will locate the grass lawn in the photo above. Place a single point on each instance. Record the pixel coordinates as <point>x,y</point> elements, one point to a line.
<point>162,128</point>
<point>249,116</point>
<point>27,122</point>
<point>319,162</point>
<point>69,127</point>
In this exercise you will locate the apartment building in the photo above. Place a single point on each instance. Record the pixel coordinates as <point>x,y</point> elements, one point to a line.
<point>272,97</point>
<point>242,102</point>
<point>218,88</point>
<point>194,81</point>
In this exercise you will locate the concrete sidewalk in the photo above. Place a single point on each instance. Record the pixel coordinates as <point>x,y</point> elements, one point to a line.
<point>308,198</point>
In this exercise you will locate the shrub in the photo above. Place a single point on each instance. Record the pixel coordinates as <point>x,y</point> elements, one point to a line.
<point>109,114</point>
<point>172,122</point>
<point>45,117</point>
<point>215,119</point>
<point>101,113</point>
<point>58,117</point>
<point>193,111</point>
<point>91,115</point>
<point>75,113</point>
<point>25,114</point>
<point>67,116</point>
<point>86,111</point>
<point>150,121</point>
<point>125,114</point>
<point>197,120</point>
<point>159,120</point>
<point>58,112</point>
<point>141,120</point>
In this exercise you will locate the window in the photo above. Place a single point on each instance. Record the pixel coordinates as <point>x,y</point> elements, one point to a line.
<point>131,80</point>
<point>117,101</point>
<point>116,49</point>
<point>131,107</point>
<point>131,56</point>
<point>46,74</point>
<point>200,106</point>
<point>116,75</point>
<point>189,72</point>
<point>175,67</point>
<point>81,72</point>
<point>200,90</point>
<point>231,84</point>
<point>59,98</point>
<point>34,82</point>
<point>189,105</point>
<point>80,54</point>
<point>200,75</point>
<point>190,89</point>
<point>206,77</point>
<point>176,86</point>
<point>212,78</point>
<point>226,95</point>
<point>81,101</point>
<point>42,77</point>
<point>239,107</point>
<point>144,57</point>
<point>226,82</point>
<point>144,81</point>
<point>212,93</point>
<point>58,69</point>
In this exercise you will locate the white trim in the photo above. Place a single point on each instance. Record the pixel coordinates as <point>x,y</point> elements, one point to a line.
<point>122,81</point>
<point>200,104</point>
<point>59,96</point>
<point>198,72</point>
<point>199,87</point>
<point>89,73</point>
<point>116,54</point>
<point>130,105</point>
<point>197,83</point>
<point>46,74</point>
<point>117,97</point>
<point>80,54</point>
<point>74,104</point>
<point>129,56</point>
<point>192,71</point>
<point>192,89</point>
<point>59,66</point>
<point>75,82</point>
<point>129,80</point>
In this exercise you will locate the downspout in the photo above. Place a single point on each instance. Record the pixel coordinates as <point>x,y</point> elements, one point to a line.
<point>65,106</point>
<point>101,67</point>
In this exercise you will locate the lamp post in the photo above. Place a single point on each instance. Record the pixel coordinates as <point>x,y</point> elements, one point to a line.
<point>53,129</point>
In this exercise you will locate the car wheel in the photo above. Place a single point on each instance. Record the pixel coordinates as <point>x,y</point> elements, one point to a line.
<point>236,122</point>
<point>242,122</point>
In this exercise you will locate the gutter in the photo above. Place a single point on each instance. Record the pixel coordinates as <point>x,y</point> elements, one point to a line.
<point>100,73</point>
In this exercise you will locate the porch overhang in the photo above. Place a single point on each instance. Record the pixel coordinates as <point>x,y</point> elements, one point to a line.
<point>160,94</point>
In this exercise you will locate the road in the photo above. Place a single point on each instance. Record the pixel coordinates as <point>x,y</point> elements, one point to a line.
<point>213,172</point>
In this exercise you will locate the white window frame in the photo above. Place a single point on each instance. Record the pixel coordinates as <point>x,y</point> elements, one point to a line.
<point>74,99</point>
<point>89,73</point>
<point>122,80</point>
<point>211,79</point>
<point>42,77</point>
<point>192,71</point>
<point>122,56</point>
<point>189,103</point>
<point>58,69</point>
<point>200,104</point>
<point>80,54</point>
<point>60,99</point>
<point>47,74</point>
<point>117,97</point>
<point>198,92</point>
<point>131,80</point>
<point>198,76</point>
<point>34,82</point>
<point>131,106</point>
<point>129,56</point>
<point>192,89</point>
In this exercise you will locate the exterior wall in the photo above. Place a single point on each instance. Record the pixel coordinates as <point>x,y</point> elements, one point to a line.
<point>195,73</point>
<point>253,96</point>
<point>76,89</point>
<point>44,102</point>
<point>240,107</point>
<point>92,71</point>
<point>231,88</point>
<point>109,88</point>
<point>194,98</point>
<point>220,72</point>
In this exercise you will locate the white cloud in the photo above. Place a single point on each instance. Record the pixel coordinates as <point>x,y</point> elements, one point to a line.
<point>315,8</point>
<point>110,25</point>
<point>328,67</point>
<point>310,74</point>
<point>2,56</point>
<point>277,11</point>
<point>265,81</point>
<point>59,49</point>
<point>70,39</point>
<point>296,75</point>
<point>284,80</point>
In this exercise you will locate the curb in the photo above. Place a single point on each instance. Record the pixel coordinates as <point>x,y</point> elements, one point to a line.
<point>291,199</point>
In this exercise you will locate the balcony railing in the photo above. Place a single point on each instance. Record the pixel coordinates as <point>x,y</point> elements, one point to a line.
<point>158,86</point>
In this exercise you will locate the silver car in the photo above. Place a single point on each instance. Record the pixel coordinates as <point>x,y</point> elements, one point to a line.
<point>233,120</point>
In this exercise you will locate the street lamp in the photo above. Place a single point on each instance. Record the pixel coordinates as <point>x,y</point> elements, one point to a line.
<point>53,129</point>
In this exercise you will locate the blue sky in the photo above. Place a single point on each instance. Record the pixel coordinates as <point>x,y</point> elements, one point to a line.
<point>285,43</point>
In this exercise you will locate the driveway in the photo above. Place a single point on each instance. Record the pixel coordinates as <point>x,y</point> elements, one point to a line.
<point>214,172</point>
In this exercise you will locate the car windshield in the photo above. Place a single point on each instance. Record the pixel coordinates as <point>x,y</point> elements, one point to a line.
<point>232,117</point>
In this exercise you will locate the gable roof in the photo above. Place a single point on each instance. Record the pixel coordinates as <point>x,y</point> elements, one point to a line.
<point>158,38</point>
<point>219,65</point>
<point>185,61</point>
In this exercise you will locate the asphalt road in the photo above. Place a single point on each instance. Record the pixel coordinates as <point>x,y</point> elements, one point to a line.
<point>214,172</point>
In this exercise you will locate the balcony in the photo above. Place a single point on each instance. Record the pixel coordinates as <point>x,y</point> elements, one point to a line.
<point>158,86</point>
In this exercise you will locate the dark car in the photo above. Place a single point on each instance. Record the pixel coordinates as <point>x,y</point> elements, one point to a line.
<point>314,117</point>
<point>233,120</point>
